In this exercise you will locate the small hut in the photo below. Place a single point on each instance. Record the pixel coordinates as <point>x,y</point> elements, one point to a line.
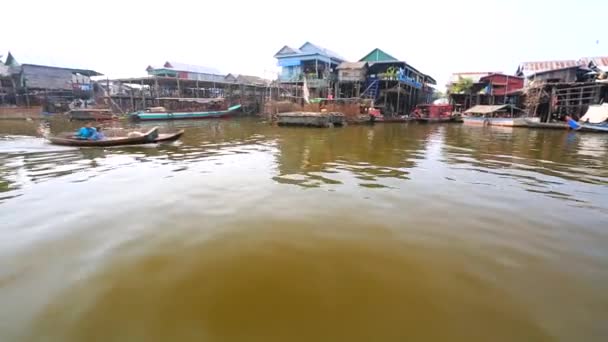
<point>352,71</point>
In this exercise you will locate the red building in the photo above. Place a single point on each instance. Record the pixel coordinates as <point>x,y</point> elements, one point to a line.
<point>500,84</point>
<point>492,89</point>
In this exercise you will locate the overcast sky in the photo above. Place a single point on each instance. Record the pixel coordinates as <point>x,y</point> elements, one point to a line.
<point>121,38</point>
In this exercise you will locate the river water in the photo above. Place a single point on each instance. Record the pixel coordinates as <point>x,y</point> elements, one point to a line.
<point>247,232</point>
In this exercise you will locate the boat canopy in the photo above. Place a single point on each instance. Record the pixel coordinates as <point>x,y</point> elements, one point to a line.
<point>486,109</point>
<point>596,114</point>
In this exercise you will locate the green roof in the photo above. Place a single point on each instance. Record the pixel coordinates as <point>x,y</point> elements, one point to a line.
<point>11,61</point>
<point>378,55</point>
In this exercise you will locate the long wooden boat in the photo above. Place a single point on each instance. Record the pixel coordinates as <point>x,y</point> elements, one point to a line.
<point>595,128</point>
<point>168,137</point>
<point>487,121</point>
<point>149,137</point>
<point>152,115</point>
<point>594,120</point>
<point>504,115</point>
<point>162,137</point>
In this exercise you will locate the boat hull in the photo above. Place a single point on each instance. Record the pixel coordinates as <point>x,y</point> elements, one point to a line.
<point>595,128</point>
<point>168,137</point>
<point>546,125</point>
<point>150,137</point>
<point>439,120</point>
<point>158,116</point>
<point>503,122</point>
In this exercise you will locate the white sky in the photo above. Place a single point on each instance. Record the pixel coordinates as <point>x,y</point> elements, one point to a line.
<point>438,37</point>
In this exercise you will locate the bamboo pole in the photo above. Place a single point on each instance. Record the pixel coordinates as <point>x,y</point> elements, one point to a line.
<point>156,91</point>
<point>179,88</point>
<point>398,96</point>
<point>143,95</point>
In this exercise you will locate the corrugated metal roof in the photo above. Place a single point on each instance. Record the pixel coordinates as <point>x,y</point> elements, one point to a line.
<point>85,72</point>
<point>529,68</point>
<point>600,62</point>
<point>177,66</point>
<point>248,79</point>
<point>377,55</point>
<point>327,52</point>
<point>352,65</point>
<point>287,50</point>
<point>305,49</point>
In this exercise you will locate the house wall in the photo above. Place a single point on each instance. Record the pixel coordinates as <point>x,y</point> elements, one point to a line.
<point>204,77</point>
<point>352,75</point>
<point>564,75</point>
<point>185,75</point>
<point>500,81</point>
<point>290,73</point>
<point>41,77</point>
<point>293,66</point>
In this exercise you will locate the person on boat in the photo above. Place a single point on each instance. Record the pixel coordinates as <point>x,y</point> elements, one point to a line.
<point>86,132</point>
<point>98,135</point>
<point>573,124</point>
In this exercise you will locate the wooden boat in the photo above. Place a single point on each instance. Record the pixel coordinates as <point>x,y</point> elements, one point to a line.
<point>312,119</point>
<point>87,114</point>
<point>162,137</point>
<point>168,137</point>
<point>488,121</point>
<point>149,137</point>
<point>595,128</point>
<point>494,115</point>
<point>595,119</point>
<point>435,113</point>
<point>159,114</point>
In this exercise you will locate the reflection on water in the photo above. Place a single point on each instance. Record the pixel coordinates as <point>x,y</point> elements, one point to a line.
<point>246,232</point>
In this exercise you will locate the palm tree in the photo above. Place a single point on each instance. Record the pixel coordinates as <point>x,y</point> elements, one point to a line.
<point>463,86</point>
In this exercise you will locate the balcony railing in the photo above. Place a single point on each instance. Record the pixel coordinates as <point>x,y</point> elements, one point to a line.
<point>311,80</point>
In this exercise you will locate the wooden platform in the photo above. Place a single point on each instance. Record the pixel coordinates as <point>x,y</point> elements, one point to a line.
<point>547,125</point>
<point>20,113</point>
<point>311,119</point>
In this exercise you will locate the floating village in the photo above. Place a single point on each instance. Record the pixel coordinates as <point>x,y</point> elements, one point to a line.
<point>315,87</point>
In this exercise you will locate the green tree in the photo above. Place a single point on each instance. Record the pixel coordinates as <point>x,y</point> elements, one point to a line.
<point>463,86</point>
<point>438,95</point>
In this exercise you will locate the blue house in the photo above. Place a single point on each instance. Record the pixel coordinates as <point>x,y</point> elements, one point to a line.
<point>315,63</point>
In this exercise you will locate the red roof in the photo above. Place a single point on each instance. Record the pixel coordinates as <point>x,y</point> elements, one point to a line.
<point>599,61</point>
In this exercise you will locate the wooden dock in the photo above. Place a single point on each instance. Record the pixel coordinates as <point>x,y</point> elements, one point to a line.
<point>20,113</point>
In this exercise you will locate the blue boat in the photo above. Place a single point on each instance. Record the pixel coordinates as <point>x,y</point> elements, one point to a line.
<point>595,120</point>
<point>597,128</point>
<point>159,114</point>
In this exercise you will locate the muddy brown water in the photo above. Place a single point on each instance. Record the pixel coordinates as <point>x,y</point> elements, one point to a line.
<point>247,232</point>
